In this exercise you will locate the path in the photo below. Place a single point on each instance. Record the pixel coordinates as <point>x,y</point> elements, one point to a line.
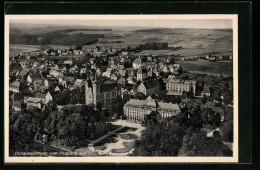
<point>120,141</point>
<point>107,135</point>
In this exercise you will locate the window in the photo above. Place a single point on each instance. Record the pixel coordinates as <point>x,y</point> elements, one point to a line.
<point>107,101</point>
<point>113,94</point>
<point>107,95</point>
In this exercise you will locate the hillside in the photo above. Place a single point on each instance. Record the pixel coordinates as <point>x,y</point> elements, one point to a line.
<point>55,38</point>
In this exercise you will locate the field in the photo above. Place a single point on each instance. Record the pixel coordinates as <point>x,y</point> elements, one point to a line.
<point>193,41</point>
<point>224,68</point>
<point>62,47</point>
<point>18,48</point>
<point>158,52</point>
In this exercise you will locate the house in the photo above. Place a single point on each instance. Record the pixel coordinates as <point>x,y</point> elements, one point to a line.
<point>56,67</point>
<point>56,73</point>
<point>57,89</point>
<point>113,77</point>
<point>64,70</point>
<point>166,69</point>
<point>48,97</point>
<point>156,72</point>
<point>205,91</point>
<point>149,87</point>
<point>34,102</point>
<point>131,80</point>
<point>137,63</point>
<point>212,58</point>
<point>141,74</point>
<point>17,106</point>
<point>24,72</point>
<point>79,83</point>
<point>122,72</point>
<point>38,83</point>
<point>177,86</point>
<point>24,63</point>
<point>42,89</point>
<point>36,65</point>
<point>30,78</point>
<point>69,62</point>
<point>98,71</point>
<point>107,73</point>
<point>124,53</point>
<point>83,71</point>
<point>15,86</point>
<point>48,82</point>
<point>121,80</point>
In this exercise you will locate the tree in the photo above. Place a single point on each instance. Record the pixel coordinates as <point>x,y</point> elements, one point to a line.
<point>195,117</point>
<point>140,96</point>
<point>227,132</point>
<point>198,144</point>
<point>152,118</point>
<point>204,99</point>
<point>210,117</point>
<point>162,139</point>
<point>190,93</point>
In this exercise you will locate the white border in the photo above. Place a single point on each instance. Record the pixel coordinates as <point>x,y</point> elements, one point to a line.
<point>110,159</point>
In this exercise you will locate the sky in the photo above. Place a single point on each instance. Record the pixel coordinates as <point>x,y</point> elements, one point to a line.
<point>155,23</point>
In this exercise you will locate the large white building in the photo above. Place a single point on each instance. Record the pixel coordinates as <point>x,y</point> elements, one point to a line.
<point>137,110</point>
<point>177,86</point>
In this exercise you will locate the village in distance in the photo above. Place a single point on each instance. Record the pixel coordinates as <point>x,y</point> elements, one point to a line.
<point>77,91</point>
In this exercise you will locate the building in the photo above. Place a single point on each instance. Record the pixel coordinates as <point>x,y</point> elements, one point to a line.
<point>17,106</point>
<point>177,86</point>
<point>149,87</point>
<point>205,91</point>
<point>137,110</point>
<point>212,58</point>
<point>102,92</point>
<point>141,74</point>
<point>137,63</point>
<point>15,86</point>
<point>48,82</point>
<point>34,102</point>
<point>48,97</point>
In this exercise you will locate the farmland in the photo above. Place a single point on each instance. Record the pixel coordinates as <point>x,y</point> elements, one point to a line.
<point>192,41</point>
<point>224,68</point>
<point>18,48</point>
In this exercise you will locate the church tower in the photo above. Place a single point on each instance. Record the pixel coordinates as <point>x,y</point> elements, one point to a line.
<point>96,91</point>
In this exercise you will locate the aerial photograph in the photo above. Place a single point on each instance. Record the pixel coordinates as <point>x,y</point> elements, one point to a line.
<point>133,88</point>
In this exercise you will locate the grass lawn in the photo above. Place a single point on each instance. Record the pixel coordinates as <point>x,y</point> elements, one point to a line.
<point>102,147</point>
<point>125,129</point>
<point>108,128</point>
<point>127,147</point>
<point>128,136</point>
<point>110,139</point>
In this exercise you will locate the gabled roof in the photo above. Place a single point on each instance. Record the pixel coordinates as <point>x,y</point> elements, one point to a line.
<point>17,104</point>
<point>24,71</point>
<point>138,61</point>
<point>34,99</point>
<point>40,95</point>
<point>16,84</point>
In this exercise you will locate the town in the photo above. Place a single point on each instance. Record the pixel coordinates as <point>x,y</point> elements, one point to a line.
<point>119,101</point>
